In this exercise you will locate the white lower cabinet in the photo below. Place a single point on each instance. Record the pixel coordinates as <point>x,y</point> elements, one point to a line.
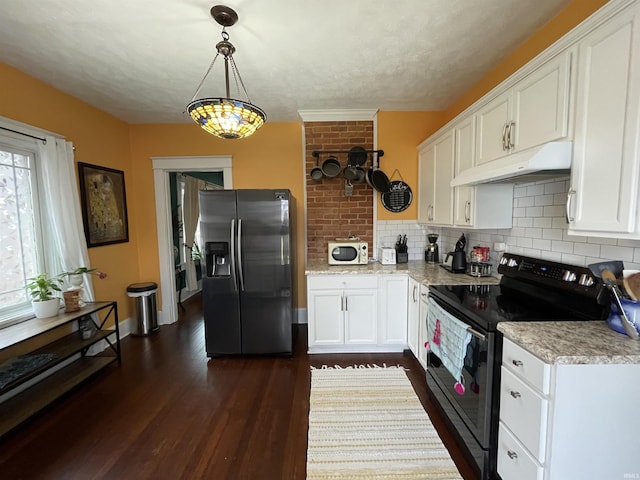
<point>565,421</point>
<point>413,316</point>
<point>422,327</point>
<point>357,313</point>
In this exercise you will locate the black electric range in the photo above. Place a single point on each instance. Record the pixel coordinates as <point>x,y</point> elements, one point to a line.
<point>530,290</point>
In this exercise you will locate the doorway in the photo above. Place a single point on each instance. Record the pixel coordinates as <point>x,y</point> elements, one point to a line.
<point>162,167</point>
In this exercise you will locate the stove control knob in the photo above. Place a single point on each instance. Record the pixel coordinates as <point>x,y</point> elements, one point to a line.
<point>503,260</point>
<point>512,262</point>
<point>585,280</point>
<point>568,276</point>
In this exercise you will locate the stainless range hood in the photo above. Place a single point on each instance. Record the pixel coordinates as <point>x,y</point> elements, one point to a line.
<point>538,163</point>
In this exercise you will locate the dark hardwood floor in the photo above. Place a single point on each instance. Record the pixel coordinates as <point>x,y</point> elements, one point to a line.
<point>169,412</point>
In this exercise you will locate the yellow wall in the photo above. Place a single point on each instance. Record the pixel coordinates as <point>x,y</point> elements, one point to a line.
<point>99,139</point>
<point>398,135</point>
<point>271,158</point>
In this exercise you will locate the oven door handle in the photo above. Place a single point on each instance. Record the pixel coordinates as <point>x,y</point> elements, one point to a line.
<point>477,334</point>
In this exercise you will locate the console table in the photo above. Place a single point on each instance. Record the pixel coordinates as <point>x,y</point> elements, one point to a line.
<point>24,387</point>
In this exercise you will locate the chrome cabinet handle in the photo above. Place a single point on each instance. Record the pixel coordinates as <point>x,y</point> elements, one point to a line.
<point>512,455</point>
<point>415,289</point>
<point>517,363</point>
<point>346,303</point>
<point>504,136</point>
<point>570,195</point>
<point>515,394</point>
<point>510,130</point>
<point>467,211</point>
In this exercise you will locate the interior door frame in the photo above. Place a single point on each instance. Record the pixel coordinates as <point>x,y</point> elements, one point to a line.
<point>162,166</point>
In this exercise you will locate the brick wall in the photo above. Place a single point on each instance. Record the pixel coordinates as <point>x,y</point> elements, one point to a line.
<point>330,213</point>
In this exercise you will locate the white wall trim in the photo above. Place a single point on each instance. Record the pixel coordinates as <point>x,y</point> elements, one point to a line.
<point>301,315</point>
<point>161,167</point>
<point>337,115</point>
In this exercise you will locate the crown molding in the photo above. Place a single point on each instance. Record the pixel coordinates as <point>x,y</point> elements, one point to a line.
<point>338,115</point>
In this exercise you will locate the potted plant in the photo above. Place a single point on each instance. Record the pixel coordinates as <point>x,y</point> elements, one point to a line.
<point>75,280</point>
<point>41,288</point>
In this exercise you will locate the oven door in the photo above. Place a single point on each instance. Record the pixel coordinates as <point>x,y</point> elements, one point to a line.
<point>476,406</point>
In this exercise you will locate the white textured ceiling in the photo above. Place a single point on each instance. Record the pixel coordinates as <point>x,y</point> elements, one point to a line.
<point>141,60</point>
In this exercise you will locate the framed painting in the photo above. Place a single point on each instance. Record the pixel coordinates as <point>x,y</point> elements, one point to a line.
<point>103,204</point>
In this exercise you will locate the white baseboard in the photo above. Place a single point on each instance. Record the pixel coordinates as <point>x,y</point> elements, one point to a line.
<point>301,315</point>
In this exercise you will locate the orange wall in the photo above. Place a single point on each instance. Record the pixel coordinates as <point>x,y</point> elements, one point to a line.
<point>567,19</point>
<point>271,158</point>
<point>99,139</point>
<point>398,135</point>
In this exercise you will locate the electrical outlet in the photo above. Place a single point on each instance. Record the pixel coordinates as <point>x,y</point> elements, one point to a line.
<point>499,246</point>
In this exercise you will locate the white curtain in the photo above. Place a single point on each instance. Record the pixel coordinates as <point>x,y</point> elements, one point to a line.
<point>60,204</point>
<point>191,210</point>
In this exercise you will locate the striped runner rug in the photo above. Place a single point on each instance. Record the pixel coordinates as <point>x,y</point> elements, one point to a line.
<point>368,423</point>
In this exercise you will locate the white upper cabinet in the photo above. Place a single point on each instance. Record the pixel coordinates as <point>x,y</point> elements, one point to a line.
<point>603,200</point>
<point>436,161</point>
<point>534,111</point>
<point>481,206</point>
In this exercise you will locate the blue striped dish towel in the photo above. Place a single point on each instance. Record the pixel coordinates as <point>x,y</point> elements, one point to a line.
<point>448,338</point>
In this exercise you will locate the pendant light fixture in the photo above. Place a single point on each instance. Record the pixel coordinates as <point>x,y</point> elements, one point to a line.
<point>227,117</point>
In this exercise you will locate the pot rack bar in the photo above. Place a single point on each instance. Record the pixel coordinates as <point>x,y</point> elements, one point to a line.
<point>317,153</point>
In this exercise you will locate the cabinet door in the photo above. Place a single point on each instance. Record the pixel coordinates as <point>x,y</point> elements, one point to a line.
<point>422,327</point>
<point>360,315</point>
<point>541,104</point>
<point>464,160</point>
<point>413,316</point>
<point>442,176</point>
<point>426,194</point>
<point>393,311</point>
<point>604,173</point>
<point>492,122</point>
<point>325,317</point>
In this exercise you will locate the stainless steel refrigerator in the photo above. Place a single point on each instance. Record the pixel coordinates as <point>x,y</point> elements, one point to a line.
<point>247,240</point>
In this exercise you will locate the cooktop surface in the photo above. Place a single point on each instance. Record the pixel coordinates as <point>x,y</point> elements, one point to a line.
<point>488,305</point>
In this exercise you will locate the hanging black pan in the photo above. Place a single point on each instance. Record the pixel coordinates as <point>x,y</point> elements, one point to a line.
<point>357,156</point>
<point>377,179</point>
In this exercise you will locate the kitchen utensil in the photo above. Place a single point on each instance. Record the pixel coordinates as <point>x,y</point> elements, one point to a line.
<point>361,175</point>
<point>632,285</point>
<point>609,280</point>
<point>380,181</point>
<point>631,309</point>
<point>357,156</point>
<point>316,172</point>
<point>350,172</point>
<point>614,266</point>
<point>331,167</point>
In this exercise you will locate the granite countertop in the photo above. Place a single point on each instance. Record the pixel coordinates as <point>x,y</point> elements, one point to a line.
<point>426,273</point>
<point>573,343</point>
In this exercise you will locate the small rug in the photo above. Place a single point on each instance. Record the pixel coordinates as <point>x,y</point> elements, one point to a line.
<point>368,423</point>
<point>17,367</point>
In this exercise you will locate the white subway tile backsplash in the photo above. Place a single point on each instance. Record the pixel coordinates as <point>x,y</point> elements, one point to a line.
<point>617,253</point>
<point>533,232</point>
<point>562,247</point>
<point>544,200</point>
<point>540,230</point>
<point>535,189</point>
<point>536,212</point>
<point>586,249</point>
<point>554,211</point>
<point>542,222</point>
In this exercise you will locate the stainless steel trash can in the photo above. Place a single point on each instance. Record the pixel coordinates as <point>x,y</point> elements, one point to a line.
<point>145,320</point>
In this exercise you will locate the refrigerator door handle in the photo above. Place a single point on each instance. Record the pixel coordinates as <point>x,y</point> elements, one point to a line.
<point>240,254</point>
<point>233,255</point>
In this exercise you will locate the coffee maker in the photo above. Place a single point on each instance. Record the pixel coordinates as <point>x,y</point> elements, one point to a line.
<point>431,251</point>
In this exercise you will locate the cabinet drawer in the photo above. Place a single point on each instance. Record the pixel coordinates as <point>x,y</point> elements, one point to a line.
<point>342,281</point>
<point>526,366</point>
<point>514,462</point>
<point>524,411</point>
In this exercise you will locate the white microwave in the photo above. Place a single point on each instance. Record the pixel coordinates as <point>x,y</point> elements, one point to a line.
<point>348,252</point>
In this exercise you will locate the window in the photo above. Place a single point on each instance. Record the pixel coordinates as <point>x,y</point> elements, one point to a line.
<point>20,229</point>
